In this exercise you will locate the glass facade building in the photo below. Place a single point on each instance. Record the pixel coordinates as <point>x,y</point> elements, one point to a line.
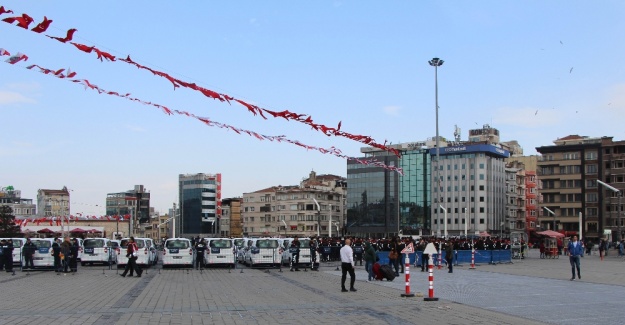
<point>374,193</point>
<point>200,204</point>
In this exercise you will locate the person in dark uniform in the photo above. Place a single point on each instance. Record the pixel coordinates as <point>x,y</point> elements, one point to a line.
<point>73,260</point>
<point>2,243</point>
<point>359,249</point>
<point>28,251</point>
<point>295,246</point>
<point>56,253</point>
<point>200,249</point>
<point>7,254</point>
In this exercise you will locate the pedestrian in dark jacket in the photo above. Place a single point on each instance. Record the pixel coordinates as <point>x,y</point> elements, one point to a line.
<point>369,257</point>
<point>28,251</point>
<point>7,254</point>
<point>73,261</point>
<point>66,253</point>
<point>449,256</point>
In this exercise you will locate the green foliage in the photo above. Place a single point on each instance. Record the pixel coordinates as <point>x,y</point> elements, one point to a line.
<point>8,228</point>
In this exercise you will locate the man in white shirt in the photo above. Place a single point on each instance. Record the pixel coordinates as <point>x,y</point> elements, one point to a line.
<point>347,265</point>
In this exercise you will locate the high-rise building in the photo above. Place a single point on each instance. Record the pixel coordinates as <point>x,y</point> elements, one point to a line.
<point>200,205</point>
<point>568,172</point>
<point>470,190</point>
<point>13,198</point>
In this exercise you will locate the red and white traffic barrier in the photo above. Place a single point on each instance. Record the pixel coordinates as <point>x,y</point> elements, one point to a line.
<point>430,296</point>
<point>472,257</point>
<point>407,272</point>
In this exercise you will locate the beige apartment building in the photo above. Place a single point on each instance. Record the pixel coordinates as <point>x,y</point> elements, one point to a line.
<point>315,207</point>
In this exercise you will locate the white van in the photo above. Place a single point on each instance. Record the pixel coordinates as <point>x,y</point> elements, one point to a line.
<point>97,250</point>
<point>44,256</point>
<point>263,251</point>
<point>177,251</point>
<point>144,255</point>
<point>18,243</point>
<point>219,251</point>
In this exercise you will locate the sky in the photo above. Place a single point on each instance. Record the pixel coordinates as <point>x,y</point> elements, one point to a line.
<point>535,70</point>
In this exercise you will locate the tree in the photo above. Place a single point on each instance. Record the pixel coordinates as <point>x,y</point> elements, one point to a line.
<point>8,228</point>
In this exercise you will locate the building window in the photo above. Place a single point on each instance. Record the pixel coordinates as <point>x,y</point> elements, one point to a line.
<point>481,177</point>
<point>481,187</point>
<point>591,169</point>
<point>591,197</point>
<point>481,199</point>
<point>481,221</point>
<point>481,166</point>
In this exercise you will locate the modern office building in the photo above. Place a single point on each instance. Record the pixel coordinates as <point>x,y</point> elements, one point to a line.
<point>613,173</point>
<point>53,203</point>
<point>135,203</point>
<point>374,193</point>
<point>470,192</point>
<point>13,198</point>
<point>200,205</point>
<point>315,207</point>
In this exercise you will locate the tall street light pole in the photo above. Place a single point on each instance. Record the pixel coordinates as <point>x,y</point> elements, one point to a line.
<point>436,62</point>
<point>318,218</point>
<point>620,212</point>
<point>554,217</point>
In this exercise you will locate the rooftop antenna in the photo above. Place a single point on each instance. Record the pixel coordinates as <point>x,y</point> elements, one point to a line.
<point>457,133</point>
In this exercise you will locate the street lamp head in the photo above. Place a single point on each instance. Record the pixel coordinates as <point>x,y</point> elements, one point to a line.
<point>436,62</point>
<point>548,210</point>
<point>610,187</point>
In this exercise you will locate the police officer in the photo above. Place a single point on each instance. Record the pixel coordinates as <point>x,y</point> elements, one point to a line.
<point>56,252</point>
<point>358,251</point>
<point>28,251</point>
<point>200,248</point>
<point>3,242</point>
<point>7,254</point>
<point>295,246</point>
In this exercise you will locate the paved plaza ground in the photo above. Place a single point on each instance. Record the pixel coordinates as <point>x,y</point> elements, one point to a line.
<point>529,291</point>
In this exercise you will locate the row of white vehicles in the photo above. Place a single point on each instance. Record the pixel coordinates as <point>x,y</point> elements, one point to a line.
<point>271,251</point>
<point>91,251</point>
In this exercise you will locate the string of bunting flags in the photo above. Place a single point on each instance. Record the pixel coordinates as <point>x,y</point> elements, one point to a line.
<point>69,75</point>
<point>56,220</point>
<point>25,20</point>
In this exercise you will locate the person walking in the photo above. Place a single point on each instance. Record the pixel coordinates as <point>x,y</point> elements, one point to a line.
<point>601,248</point>
<point>347,265</point>
<point>575,251</point>
<point>369,257</point>
<point>28,251</point>
<point>131,254</point>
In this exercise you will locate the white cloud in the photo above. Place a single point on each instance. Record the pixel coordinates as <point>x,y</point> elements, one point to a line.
<point>11,97</point>
<point>527,117</point>
<point>392,110</point>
